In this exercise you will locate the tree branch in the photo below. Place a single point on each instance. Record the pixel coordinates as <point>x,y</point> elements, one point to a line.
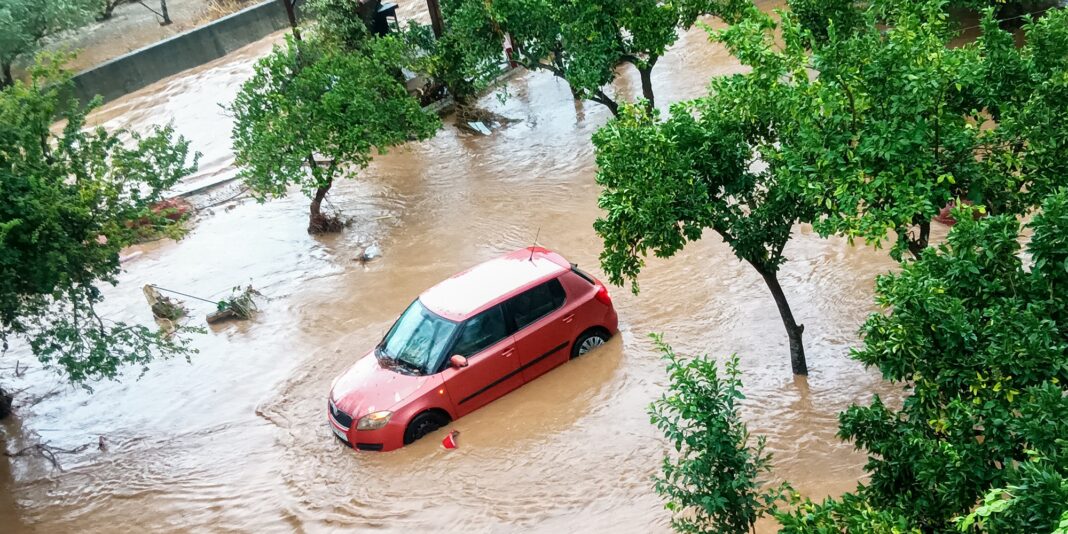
<point>604,100</point>
<point>852,107</point>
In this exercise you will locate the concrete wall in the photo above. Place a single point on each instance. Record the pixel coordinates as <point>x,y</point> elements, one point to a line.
<point>143,67</point>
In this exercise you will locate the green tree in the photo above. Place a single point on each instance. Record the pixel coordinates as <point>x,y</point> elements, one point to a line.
<point>978,338</point>
<point>894,126</point>
<point>579,41</point>
<point>25,23</point>
<point>717,480</point>
<point>467,59</point>
<point>713,164</point>
<point>980,343</point>
<point>897,123</point>
<point>818,16</point>
<point>70,200</point>
<point>312,114</point>
<point>345,24</point>
<point>1036,501</point>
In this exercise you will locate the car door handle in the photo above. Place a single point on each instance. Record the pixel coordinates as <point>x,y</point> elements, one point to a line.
<point>508,353</point>
<point>569,318</point>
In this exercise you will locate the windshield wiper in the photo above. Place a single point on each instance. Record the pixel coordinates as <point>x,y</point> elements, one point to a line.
<point>409,365</point>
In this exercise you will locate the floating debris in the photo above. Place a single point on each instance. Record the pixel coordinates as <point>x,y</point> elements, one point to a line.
<point>240,305</point>
<point>165,309</point>
<point>480,121</point>
<point>369,253</point>
<point>127,257</point>
<point>450,440</point>
<point>479,127</point>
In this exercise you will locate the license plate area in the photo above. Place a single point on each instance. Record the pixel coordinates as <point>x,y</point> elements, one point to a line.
<point>340,434</point>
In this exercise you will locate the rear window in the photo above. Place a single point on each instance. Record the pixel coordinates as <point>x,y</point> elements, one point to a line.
<point>536,303</point>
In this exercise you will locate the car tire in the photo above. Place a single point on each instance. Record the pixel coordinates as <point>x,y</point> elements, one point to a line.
<point>422,425</point>
<point>588,341</point>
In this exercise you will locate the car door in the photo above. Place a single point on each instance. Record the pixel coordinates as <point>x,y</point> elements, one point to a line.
<point>544,328</point>
<point>492,366</point>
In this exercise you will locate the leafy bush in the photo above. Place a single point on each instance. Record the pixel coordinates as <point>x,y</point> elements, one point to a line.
<point>715,482</point>
<point>817,17</point>
<point>70,200</point>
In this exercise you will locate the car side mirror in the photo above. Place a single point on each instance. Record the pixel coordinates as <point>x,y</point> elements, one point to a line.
<point>458,362</point>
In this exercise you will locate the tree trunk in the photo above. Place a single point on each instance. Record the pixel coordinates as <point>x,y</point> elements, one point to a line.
<point>647,86</point>
<point>436,21</point>
<point>7,78</point>
<point>5,404</point>
<point>317,222</point>
<point>292,14</point>
<point>163,12</point>
<point>793,330</point>
<point>109,10</point>
<point>605,101</point>
<point>612,106</point>
<point>917,246</point>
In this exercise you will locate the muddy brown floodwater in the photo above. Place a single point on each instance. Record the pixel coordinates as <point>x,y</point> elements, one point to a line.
<point>236,439</point>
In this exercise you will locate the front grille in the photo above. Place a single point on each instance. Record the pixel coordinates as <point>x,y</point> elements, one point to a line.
<point>341,417</point>
<point>369,446</point>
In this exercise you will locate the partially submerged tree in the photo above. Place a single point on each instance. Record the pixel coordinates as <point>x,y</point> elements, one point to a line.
<point>978,339</point>
<point>897,123</point>
<point>466,59</point>
<point>893,126</point>
<point>312,114</point>
<point>69,202</point>
<point>580,41</point>
<point>345,24</point>
<point>718,480</point>
<point>24,24</point>
<point>980,344</point>
<point>712,164</point>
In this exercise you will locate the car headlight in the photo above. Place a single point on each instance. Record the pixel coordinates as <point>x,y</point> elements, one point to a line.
<point>373,421</point>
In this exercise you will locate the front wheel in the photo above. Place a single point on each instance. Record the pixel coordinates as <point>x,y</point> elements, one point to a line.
<point>422,425</point>
<point>588,341</point>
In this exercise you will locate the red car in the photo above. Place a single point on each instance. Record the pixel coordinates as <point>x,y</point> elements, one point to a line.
<point>467,341</point>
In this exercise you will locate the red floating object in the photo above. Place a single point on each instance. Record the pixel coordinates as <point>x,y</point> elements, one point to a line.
<point>450,441</point>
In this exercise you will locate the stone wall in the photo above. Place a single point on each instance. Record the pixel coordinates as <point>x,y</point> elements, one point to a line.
<point>195,47</point>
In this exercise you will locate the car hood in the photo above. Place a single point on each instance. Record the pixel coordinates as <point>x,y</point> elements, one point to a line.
<point>368,387</point>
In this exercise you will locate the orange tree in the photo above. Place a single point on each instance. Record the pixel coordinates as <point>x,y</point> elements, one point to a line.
<point>978,339</point>
<point>312,114</point>
<point>666,182</point>
<point>70,200</point>
<point>580,41</point>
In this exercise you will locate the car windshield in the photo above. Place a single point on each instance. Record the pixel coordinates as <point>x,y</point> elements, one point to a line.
<point>417,339</point>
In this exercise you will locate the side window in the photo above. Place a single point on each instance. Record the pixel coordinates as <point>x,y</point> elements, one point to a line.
<point>537,302</point>
<point>480,332</point>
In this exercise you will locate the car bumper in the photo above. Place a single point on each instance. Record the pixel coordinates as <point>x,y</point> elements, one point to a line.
<point>387,438</point>
<point>611,321</point>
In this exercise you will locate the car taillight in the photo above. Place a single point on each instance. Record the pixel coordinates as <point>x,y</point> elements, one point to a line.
<point>602,295</point>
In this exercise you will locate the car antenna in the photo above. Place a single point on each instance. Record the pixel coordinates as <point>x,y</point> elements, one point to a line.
<point>536,236</point>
